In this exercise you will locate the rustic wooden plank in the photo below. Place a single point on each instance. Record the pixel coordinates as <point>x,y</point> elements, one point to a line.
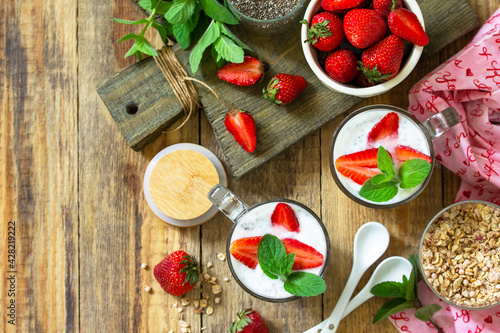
<point>38,165</point>
<point>118,230</point>
<point>294,174</point>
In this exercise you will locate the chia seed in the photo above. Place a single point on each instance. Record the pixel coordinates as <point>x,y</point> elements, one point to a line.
<point>265,9</point>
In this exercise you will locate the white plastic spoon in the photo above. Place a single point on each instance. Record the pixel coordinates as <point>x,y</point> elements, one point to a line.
<point>370,242</point>
<point>390,269</point>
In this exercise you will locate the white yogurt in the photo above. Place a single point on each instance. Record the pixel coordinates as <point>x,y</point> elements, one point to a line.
<point>353,138</point>
<point>257,222</point>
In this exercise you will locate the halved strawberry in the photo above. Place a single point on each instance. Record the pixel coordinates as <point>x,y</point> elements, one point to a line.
<point>245,250</point>
<point>242,74</point>
<point>387,126</point>
<point>359,166</point>
<point>242,126</point>
<point>305,256</point>
<point>405,153</point>
<point>284,216</point>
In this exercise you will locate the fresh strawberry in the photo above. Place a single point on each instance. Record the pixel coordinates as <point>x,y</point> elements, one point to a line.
<point>249,321</point>
<point>242,74</point>
<point>386,127</point>
<point>364,27</point>
<point>384,7</point>
<point>177,273</point>
<point>245,250</point>
<point>325,32</point>
<point>305,256</point>
<point>339,6</point>
<point>284,216</point>
<point>381,62</point>
<point>405,24</point>
<point>341,65</point>
<point>359,166</point>
<point>242,126</point>
<point>284,88</point>
<point>405,153</point>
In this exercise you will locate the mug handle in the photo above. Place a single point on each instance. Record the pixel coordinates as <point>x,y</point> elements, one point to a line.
<point>441,122</point>
<point>228,203</point>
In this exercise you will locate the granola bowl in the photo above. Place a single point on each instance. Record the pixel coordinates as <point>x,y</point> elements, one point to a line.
<point>460,255</point>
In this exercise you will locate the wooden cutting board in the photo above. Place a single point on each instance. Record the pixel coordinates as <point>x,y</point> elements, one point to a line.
<point>278,127</point>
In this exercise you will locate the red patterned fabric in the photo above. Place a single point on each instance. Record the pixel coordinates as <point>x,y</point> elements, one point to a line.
<point>470,82</point>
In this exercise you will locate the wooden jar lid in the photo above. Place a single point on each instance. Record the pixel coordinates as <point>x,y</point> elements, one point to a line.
<point>180,182</point>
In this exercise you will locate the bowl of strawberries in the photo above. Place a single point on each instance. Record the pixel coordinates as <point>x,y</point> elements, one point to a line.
<point>363,50</point>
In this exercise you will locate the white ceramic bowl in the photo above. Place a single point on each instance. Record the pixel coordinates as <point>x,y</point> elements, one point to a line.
<point>312,58</point>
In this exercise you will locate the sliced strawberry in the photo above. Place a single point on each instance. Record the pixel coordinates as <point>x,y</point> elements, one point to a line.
<point>359,166</point>
<point>405,153</point>
<point>405,24</point>
<point>246,73</point>
<point>242,126</point>
<point>386,127</point>
<point>284,216</point>
<point>305,256</point>
<point>245,250</point>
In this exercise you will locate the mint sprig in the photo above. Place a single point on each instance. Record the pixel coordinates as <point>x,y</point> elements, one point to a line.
<point>277,264</point>
<point>203,21</point>
<point>383,187</point>
<point>406,297</point>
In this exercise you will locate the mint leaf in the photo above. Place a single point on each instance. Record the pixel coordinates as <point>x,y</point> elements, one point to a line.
<point>229,50</point>
<point>161,30</point>
<point>413,172</point>
<point>384,163</point>
<point>180,11</point>
<point>218,12</point>
<point>305,284</point>
<point>271,252</point>
<point>163,7</point>
<point>130,22</point>
<point>144,46</point>
<point>287,264</point>
<point>148,4</point>
<point>389,289</point>
<point>425,313</point>
<point>128,37</point>
<point>381,178</point>
<point>217,58</point>
<point>410,290</point>
<point>133,50</point>
<point>393,306</point>
<point>208,38</point>
<point>379,192</point>
<point>182,35</point>
<point>229,34</point>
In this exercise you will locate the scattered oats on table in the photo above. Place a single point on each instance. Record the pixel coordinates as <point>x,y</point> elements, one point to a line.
<point>461,255</point>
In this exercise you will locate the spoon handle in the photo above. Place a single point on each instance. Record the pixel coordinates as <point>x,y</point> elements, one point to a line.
<point>333,321</point>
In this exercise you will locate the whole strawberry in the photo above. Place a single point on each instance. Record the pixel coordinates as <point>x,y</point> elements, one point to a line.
<point>381,62</point>
<point>249,321</point>
<point>177,273</point>
<point>284,88</point>
<point>342,65</point>
<point>364,27</point>
<point>405,24</point>
<point>242,126</point>
<point>339,6</point>
<point>384,7</point>
<point>325,32</point>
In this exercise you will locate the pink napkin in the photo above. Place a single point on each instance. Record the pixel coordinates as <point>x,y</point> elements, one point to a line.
<point>449,318</point>
<point>470,82</point>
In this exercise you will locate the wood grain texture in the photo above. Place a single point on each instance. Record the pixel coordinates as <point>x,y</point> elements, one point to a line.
<point>74,188</point>
<point>39,165</point>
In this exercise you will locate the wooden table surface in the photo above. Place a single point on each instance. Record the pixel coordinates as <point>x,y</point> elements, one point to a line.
<point>73,190</point>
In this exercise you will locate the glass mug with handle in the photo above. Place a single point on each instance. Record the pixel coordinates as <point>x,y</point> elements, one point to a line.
<point>355,153</point>
<point>251,224</point>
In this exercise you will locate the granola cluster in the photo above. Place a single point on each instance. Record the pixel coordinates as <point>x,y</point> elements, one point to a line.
<point>461,255</point>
